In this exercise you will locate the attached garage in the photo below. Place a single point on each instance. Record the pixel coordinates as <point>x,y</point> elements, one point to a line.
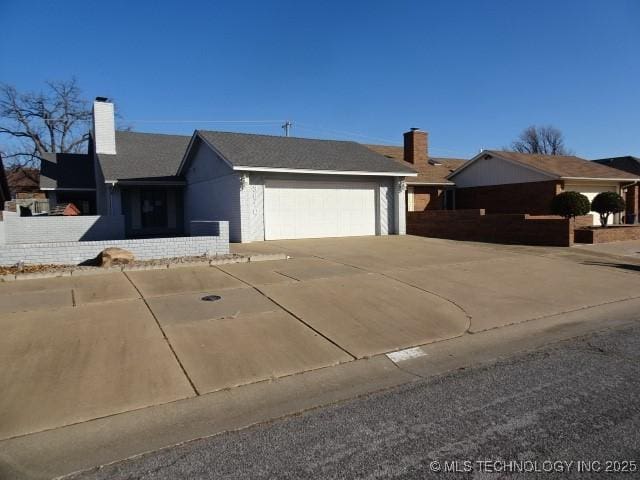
<point>271,188</point>
<point>311,209</point>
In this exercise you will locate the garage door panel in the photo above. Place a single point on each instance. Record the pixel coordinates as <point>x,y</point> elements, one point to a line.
<point>295,209</point>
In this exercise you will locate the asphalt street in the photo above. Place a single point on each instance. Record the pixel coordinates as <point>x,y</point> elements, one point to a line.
<point>571,410</point>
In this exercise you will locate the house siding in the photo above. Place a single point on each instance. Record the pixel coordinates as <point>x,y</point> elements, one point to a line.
<point>101,188</point>
<point>212,191</point>
<point>495,171</point>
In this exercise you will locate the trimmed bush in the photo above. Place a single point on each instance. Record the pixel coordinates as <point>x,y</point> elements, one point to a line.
<point>607,203</point>
<point>570,204</point>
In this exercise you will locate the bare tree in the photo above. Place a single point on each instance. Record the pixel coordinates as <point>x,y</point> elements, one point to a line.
<point>53,121</point>
<point>544,140</point>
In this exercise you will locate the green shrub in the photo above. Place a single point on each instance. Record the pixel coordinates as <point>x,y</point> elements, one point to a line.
<point>607,203</point>
<point>570,204</point>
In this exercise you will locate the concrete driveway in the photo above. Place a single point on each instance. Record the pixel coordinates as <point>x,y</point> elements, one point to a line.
<point>77,348</point>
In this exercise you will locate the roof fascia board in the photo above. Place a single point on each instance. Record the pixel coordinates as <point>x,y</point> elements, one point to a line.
<point>324,172</point>
<point>598,179</point>
<point>49,189</point>
<point>430,183</point>
<point>161,183</point>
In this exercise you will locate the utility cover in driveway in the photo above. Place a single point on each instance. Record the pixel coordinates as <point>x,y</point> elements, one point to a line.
<point>296,209</point>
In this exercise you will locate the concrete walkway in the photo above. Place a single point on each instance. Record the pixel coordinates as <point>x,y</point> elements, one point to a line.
<point>81,348</point>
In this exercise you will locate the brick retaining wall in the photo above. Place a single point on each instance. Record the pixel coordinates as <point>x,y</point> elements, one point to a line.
<point>610,234</point>
<point>475,225</point>
<point>73,253</point>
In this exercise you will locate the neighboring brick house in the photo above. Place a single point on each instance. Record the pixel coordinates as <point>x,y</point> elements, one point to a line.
<point>24,182</point>
<point>431,189</point>
<point>511,182</point>
<point>630,165</point>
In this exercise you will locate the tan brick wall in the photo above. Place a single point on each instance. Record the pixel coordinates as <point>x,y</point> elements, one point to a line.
<point>427,198</point>
<point>533,198</point>
<point>605,235</point>
<point>475,225</point>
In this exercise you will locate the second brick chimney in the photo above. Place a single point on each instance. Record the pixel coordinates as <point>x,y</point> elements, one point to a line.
<point>416,146</point>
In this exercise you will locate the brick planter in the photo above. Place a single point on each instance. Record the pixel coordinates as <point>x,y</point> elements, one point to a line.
<point>616,233</point>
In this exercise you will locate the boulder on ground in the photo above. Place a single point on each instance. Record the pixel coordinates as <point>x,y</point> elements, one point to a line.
<point>114,256</point>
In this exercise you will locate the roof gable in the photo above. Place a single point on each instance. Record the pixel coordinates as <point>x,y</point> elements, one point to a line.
<point>254,152</point>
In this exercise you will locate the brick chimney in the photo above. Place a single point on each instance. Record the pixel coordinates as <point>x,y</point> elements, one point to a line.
<point>415,146</point>
<point>104,126</point>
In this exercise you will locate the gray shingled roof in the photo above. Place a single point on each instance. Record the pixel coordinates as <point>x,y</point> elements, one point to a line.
<point>144,155</point>
<point>250,150</point>
<point>66,170</point>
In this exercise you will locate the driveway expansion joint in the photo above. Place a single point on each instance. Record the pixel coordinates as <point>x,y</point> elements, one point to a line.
<point>175,355</point>
<point>467,314</point>
<point>353,357</point>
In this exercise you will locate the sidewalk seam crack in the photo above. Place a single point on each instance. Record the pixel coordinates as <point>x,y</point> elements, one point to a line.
<point>166,339</point>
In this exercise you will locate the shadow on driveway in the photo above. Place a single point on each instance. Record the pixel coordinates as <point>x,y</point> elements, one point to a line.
<point>622,266</point>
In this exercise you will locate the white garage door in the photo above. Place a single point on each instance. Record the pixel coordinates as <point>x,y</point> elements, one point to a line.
<point>307,209</point>
<point>590,192</point>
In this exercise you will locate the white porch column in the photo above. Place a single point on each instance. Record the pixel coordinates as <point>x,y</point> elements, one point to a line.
<point>399,210</point>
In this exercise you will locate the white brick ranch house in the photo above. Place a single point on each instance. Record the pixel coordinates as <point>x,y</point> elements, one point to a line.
<point>267,187</point>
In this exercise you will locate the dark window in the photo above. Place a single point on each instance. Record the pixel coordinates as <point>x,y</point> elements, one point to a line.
<point>153,206</point>
<point>449,199</point>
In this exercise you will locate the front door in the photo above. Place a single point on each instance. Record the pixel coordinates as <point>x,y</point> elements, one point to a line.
<point>153,205</point>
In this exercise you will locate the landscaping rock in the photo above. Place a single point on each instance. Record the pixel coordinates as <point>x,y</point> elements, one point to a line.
<point>114,256</point>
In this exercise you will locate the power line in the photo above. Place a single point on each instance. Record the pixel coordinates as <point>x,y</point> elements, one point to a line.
<point>208,121</point>
<point>342,133</point>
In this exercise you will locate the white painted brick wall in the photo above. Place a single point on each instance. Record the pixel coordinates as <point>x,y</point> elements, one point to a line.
<point>45,229</point>
<point>213,191</point>
<point>73,253</point>
<point>104,127</point>
<point>252,209</point>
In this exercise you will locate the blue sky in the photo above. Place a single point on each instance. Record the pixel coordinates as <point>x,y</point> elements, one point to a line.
<point>472,73</point>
